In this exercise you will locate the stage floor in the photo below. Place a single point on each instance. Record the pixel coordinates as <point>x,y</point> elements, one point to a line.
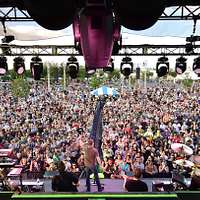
<point>110,185</point>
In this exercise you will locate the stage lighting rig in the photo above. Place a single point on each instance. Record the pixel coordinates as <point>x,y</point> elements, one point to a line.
<point>72,67</point>
<point>36,67</point>
<point>3,65</point>
<point>181,65</point>
<point>162,66</point>
<point>110,67</point>
<point>126,67</point>
<point>196,66</point>
<point>189,48</point>
<point>193,38</point>
<point>19,65</point>
<point>190,45</point>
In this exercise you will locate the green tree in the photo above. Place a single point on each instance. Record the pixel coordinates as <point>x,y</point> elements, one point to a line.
<point>44,74</point>
<point>20,87</point>
<point>132,80</point>
<point>187,83</point>
<point>28,74</point>
<point>12,74</point>
<point>116,74</point>
<point>172,73</point>
<point>5,77</point>
<point>61,73</point>
<point>149,74</point>
<point>81,73</point>
<point>55,70</point>
<point>95,81</point>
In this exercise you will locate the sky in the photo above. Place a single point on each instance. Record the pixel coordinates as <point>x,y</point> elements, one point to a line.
<point>163,32</point>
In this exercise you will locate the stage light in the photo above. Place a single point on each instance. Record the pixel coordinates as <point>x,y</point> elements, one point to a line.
<point>36,67</point>
<point>3,65</point>
<point>189,48</point>
<point>19,65</point>
<point>110,67</point>
<point>126,67</point>
<point>181,65</point>
<point>162,66</point>
<point>72,67</point>
<point>73,72</point>
<point>126,59</point>
<point>196,66</point>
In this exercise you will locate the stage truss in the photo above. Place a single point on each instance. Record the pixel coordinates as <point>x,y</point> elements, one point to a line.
<point>69,50</point>
<point>13,14</point>
<point>181,13</point>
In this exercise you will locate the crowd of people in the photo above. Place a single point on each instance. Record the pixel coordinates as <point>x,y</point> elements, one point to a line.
<point>138,128</point>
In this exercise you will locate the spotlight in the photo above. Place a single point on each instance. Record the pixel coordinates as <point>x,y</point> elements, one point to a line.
<point>3,65</point>
<point>162,66</point>
<point>73,67</point>
<point>110,67</point>
<point>196,66</point>
<point>189,48</point>
<point>126,67</point>
<point>36,67</point>
<point>19,65</point>
<point>181,65</point>
<point>126,59</point>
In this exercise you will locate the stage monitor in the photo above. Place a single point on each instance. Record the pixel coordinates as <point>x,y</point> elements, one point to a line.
<point>5,195</point>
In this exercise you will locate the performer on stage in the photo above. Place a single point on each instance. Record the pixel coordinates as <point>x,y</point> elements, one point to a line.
<point>91,158</point>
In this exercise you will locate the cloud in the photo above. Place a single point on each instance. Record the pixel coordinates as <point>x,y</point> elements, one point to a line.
<point>33,32</point>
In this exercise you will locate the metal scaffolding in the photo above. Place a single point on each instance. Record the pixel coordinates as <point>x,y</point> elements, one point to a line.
<point>13,14</point>
<point>157,50</point>
<point>69,50</point>
<point>181,13</point>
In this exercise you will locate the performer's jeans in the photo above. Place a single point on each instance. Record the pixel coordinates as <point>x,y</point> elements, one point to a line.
<point>88,171</point>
